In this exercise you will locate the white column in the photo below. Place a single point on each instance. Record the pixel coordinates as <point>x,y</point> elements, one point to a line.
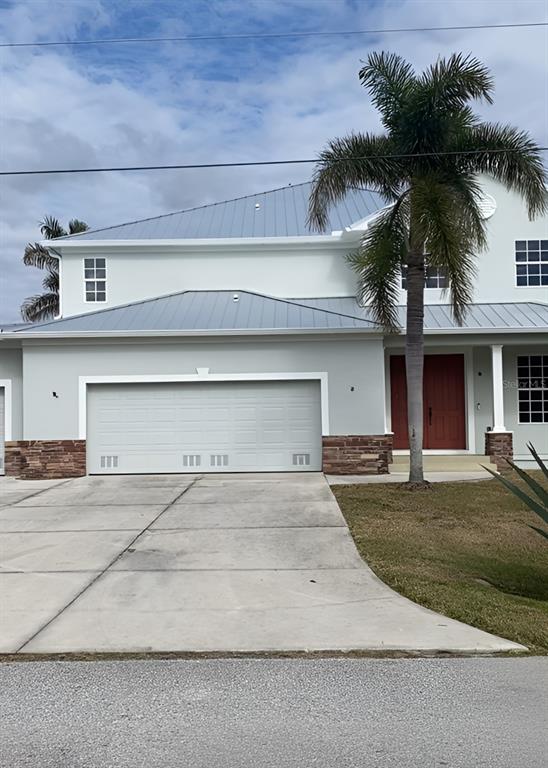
<point>498,388</point>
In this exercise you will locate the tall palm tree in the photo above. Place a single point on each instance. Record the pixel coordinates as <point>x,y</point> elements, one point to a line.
<point>425,165</point>
<point>46,305</point>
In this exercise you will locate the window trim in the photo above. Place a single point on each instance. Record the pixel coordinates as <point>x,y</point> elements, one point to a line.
<point>95,280</point>
<point>540,239</point>
<point>542,389</point>
<point>403,278</point>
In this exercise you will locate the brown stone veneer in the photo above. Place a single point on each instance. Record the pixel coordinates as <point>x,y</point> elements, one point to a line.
<point>357,454</point>
<point>498,446</point>
<point>45,459</point>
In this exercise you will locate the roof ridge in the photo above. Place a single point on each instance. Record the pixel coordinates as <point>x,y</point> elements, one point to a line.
<point>307,306</point>
<point>76,235</point>
<point>202,290</point>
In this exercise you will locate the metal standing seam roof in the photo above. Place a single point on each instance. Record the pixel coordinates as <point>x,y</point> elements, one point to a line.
<point>278,213</point>
<point>481,316</point>
<point>215,311</point>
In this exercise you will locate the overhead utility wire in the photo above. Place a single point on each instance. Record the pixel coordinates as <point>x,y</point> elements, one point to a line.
<point>269,35</point>
<point>248,163</point>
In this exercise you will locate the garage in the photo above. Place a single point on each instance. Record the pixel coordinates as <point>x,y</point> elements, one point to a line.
<point>229,426</point>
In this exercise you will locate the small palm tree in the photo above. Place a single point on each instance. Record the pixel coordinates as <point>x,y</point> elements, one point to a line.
<point>46,305</point>
<point>426,166</point>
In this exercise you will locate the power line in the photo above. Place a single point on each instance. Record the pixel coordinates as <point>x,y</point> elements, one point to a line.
<point>246,164</point>
<point>269,35</point>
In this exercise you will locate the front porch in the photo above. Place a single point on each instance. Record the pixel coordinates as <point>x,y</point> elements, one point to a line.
<point>481,400</point>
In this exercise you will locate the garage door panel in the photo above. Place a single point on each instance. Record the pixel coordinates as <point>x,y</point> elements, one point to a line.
<point>217,427</point>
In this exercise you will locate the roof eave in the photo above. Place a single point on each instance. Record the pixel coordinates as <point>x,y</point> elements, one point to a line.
<point>190,333</point>
<point>224,243</point>
<point>482,329</point>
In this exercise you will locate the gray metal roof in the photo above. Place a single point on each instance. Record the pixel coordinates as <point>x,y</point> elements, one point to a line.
<point>277,213</point>
<point>8,327</point>
<point>481,317</point>
<point>214,311</point>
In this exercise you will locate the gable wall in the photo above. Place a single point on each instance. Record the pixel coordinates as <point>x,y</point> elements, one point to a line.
<point>132,276</point>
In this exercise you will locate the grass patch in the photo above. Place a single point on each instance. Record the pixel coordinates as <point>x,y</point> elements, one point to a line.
<point>466,550</point>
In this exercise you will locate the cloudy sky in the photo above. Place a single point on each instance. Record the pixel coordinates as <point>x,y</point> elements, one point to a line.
<point>212,101</point>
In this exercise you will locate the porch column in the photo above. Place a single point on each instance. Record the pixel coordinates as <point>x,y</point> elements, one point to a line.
<point>498,388</point>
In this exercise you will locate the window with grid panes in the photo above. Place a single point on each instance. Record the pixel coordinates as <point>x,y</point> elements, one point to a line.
<point>531,262</point>
<point>533,389</point>
<point>434,277</point>
<point>95,279</point>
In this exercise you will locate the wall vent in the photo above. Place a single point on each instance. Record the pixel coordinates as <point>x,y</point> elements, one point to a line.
<point>109,462</point>
<point>192,460</point>
<point>219,460</point>
<point>301,459</point>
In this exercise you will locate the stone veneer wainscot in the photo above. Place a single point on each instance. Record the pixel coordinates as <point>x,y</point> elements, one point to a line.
<point>45,459</point>
<point>357,454</point>
<point>499,446</point>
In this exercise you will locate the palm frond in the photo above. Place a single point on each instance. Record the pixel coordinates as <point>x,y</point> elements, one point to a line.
<point>50,283</point>
<point>389,79</point>
<point>75,226</point>
<point>36,255</point>
<point>446,219</point>
<point>511,157</point>
<point>357,160</point>
<point>51,228</point>
<point>38,308</point>
<point>450,83</point>
<point>378,262</point>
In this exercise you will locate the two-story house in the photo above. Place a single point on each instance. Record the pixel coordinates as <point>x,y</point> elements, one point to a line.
<point>227,338</point>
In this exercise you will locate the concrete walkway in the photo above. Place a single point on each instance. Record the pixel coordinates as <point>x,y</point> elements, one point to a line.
<point>403,477</point>
<point>211,563</point>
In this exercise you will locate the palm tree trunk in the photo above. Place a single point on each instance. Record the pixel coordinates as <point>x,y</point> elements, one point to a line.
<point>414,361</point>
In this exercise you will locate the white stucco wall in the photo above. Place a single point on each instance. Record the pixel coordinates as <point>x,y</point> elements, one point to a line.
<point>496,278</point>
<point>56,367</point>
<point>283,271</point>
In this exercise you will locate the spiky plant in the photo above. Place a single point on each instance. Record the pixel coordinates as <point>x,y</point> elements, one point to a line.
<point>46,305</point>
<point>426,166</point>
<point>539,505</point>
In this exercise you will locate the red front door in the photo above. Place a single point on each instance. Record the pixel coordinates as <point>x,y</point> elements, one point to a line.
<point>444,409</point>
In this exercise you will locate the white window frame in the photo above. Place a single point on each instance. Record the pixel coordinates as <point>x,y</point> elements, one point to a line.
<point>6,385</point>
<point>542,389</point>
<point>83,382</point>
<point>539,261</point>
<point>95,280</point>
<point>439,276</point>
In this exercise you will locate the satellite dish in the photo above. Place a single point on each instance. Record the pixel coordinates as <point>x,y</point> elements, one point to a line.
<point>487,206</point>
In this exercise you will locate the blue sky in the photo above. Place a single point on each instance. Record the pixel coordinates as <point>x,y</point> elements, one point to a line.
<point>212,100</point>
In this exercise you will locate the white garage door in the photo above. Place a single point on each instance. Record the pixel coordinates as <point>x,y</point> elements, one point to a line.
<point>219,427</point>
<point>2,427</point>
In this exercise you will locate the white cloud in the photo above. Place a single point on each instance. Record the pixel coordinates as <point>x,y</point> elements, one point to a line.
<point>197,103</point>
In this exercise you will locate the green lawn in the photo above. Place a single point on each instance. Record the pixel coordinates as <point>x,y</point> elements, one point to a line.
<point>463,549</point>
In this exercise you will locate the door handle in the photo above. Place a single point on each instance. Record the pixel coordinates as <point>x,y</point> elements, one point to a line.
<point>430,415</point>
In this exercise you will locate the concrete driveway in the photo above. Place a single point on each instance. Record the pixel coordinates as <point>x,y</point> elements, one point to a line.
<point>198,563</point>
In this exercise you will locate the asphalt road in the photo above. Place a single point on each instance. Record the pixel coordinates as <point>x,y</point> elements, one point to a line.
<point>275,713</point>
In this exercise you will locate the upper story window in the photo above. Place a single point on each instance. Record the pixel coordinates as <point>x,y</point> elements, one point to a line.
<point>434,277</point>
<point>95,279</point>
<point>533,389</point>
<point>532,262</point>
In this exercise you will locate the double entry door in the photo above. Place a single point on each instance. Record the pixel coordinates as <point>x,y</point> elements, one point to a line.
<point>444,404</point>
